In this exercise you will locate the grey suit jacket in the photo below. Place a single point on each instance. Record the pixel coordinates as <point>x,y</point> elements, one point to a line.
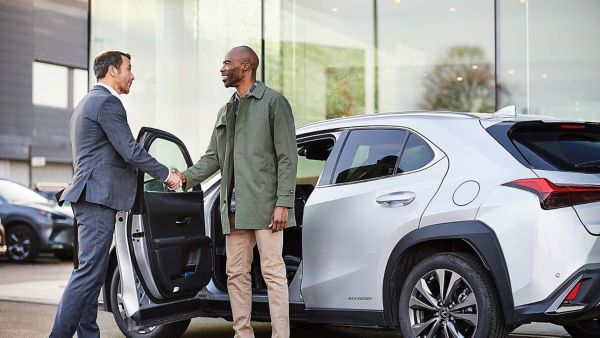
<point>105,154</point>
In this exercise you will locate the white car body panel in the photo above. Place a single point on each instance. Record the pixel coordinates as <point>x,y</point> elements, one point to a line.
<point>358,241</point>
<point>542,248</point>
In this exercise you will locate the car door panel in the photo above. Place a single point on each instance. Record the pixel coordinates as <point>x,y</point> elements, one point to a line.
<point>163,250</point>
<point>350,229</point>
<point>179,253</point>
<point>347,236</point>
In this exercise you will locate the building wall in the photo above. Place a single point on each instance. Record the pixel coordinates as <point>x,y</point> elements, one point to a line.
<point>19,172</point>
<point>55,32</point>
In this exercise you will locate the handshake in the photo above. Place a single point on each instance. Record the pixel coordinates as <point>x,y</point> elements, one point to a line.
<point>175,180</point>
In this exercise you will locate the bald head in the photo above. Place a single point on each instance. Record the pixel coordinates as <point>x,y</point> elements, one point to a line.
<point>247,56</point>
<point>239,68</point>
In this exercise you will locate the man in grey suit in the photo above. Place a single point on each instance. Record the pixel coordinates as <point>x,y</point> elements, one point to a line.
<point>106,159</point>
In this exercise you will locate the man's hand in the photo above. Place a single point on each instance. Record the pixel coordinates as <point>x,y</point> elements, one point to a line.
<point>279,219</point>
<point>174,181</point>
<point>180,174</point>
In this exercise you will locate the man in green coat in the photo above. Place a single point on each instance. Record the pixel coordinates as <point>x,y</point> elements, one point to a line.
<point>254,146</point>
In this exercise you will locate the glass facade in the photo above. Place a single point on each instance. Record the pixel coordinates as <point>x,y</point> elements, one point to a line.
<point>334,58</point>
<point>548,63</point>
<point>177,48</point>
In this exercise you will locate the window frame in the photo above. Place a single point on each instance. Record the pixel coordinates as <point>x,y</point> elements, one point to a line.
<point>344,138</point>
<point>336,136</point>
<point>70,83</point>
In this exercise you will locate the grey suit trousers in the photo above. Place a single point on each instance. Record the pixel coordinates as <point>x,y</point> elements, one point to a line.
<point>78,307</point>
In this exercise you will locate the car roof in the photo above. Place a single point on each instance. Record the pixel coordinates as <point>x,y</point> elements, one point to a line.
<point>398,118</point>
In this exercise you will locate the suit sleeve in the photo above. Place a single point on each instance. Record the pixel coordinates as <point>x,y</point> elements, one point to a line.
<point>205,167</point>
<point>284,140</point>
<point>113,120</point>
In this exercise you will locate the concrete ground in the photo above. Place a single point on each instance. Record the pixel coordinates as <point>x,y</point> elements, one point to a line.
<point>29,294</point>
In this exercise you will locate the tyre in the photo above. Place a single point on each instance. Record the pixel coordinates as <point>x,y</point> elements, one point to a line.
<point>450,295</point>
<point>589,328</point>
<point>22,244</point>
<point>116,305</point>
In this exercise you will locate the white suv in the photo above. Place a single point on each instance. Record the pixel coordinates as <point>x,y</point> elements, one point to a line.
<point>436,224</point>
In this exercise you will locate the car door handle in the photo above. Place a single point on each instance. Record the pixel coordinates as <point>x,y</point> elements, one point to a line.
<point>183,220</point>
<point>396,198</point>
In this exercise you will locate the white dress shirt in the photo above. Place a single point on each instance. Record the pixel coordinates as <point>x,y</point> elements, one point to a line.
<point>109,88</point>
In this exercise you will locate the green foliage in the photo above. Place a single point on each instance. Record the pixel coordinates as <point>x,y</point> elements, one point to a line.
<point>345,92</point>
<point>320,81</point>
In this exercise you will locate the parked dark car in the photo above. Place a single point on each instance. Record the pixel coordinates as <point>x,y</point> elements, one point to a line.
<point>49,189</point>
<point>2,240</point>
<point>34,224</point>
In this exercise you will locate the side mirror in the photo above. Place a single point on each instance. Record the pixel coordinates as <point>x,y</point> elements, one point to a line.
<point>315,152</point>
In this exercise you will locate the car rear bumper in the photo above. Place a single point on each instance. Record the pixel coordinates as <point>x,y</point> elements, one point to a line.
<point>555,309</point>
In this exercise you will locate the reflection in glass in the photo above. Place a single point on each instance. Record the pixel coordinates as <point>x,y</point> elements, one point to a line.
<point>416,154</point>
<point>419,37</point>
<point>169,154</point>
<point>320,56</point>
<point>462,80</point>
<point>50,85</point>
<point>548,58</point>
<point>369,154</point>
<point>177,49</point>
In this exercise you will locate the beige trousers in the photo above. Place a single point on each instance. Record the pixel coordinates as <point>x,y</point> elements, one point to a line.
<point>239,247</point>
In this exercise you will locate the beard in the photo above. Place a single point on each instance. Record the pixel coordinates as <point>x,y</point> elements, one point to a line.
<point>124,87</point>
<point>231,79</point>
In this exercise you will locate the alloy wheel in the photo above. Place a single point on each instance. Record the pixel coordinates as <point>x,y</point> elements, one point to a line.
<point>442,304</point>
<point>19,245</point>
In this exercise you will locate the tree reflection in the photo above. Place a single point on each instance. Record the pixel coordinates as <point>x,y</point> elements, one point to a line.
<point>463,80</point>
<point>345,91</point>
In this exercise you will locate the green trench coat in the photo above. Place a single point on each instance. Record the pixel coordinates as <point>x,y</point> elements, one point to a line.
<point>265,158</point>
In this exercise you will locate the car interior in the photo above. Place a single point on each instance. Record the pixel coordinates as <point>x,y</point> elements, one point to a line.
<point>312,156</point>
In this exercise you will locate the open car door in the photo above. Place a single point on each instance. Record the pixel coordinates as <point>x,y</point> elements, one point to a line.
<point>166,257</point>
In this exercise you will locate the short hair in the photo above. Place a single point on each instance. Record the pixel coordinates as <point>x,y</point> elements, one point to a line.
<point>248,55</point>
<point>106,59</point>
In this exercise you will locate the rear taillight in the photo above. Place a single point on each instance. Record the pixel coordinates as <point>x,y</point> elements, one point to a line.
<point>572,126</point>
<point>554,196</point>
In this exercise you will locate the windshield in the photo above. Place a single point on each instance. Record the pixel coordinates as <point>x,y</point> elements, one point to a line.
<point>560,146</point>
<point>16,193</point>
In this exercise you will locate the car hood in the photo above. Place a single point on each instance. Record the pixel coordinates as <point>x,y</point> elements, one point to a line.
<point>49,207</point>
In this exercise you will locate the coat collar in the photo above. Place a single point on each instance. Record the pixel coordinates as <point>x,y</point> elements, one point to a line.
<point>257,92</point>
<point>100,88</point>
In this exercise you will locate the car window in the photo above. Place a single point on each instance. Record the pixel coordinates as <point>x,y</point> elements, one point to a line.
<point>559,146</point>
<point>312,157</point>
<point>168,153</point>
<point>15,193</point>
<point>369,154</point>
<point>416,154</point>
